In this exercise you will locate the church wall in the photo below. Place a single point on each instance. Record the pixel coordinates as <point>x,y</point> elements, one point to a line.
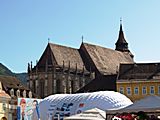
<point>45,84</point>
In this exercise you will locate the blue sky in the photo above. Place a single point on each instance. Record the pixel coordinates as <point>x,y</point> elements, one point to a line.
<point>26,25</point>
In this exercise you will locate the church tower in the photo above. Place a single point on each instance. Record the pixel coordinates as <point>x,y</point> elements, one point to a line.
<point>121,44</point>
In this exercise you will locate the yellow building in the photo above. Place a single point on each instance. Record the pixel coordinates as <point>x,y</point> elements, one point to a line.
<point>139,80</point>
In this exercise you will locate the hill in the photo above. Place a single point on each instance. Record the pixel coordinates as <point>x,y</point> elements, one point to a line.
<point>22,77</point>
<point>6,72</point>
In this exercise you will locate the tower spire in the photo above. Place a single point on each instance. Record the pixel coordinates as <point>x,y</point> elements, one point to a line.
<point>82,38</point>
<point>121,24</point>
<point>48,40</point>
<point>121,44</point>
<point>120,20</point>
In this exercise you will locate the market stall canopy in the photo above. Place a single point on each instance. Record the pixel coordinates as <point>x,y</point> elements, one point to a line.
<point>147,104</point>
<point>92,114</point>
<point>65,105</point>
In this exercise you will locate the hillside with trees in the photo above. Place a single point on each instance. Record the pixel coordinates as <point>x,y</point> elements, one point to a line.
<point>7,72</point>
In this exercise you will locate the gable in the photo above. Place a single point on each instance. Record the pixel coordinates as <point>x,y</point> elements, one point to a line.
<point>68,56</point>
<point>47,58</point>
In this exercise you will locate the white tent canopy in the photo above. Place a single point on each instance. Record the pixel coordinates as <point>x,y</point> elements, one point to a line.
<point>92,114</point>
<point>70,104</point>
<point>147,104</point>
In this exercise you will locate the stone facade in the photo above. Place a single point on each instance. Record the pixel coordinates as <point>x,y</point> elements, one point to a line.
<point>57,80</point>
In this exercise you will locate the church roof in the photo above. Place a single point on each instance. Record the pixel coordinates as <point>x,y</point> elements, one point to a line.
<point>68,55</point>
<point>107,60</point>
<point>143,71</point>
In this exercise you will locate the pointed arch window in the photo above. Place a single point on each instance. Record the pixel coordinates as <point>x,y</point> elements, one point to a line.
<point>31,84</point>
<point>30,94</point>
<point>24,93</point>
<point>18,93</point>
<point>46,87</point>
<point>12,92</point>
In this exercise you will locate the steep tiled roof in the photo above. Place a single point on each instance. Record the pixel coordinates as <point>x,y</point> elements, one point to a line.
<point>11,82</point>
<point>67,54</point>
<point>139,71</point>
<point>107,60</point>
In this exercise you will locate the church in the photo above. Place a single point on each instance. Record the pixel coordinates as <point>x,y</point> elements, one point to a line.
<point>62,69</point>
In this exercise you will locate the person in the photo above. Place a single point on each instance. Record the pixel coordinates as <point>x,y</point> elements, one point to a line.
<point>23,107</point>
<point>36,107</point>
<point>35,103</point>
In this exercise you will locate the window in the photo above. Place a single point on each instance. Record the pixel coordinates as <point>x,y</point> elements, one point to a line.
<point>4,106</point>
<point>46,83</point>
<point>30,94</point>
<point>151,89</point>
<point>12,92</point>
<point>18,93</point>
<point>136,91</point>
<point>46,87</point>
<point>128,90</point>
<point>144,90</point>
<point>159,89</point>
<point>83,81</point>
<point>35,76</point>
<point>54,85</point>
<point>46,75</point>
<point>36,86</point>
<point>121,90</point>
<point>28,84</point>
<point>24,94</point>
<point>31,83</point>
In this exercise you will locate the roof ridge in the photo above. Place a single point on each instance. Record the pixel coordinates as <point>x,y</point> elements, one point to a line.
<point>99,46</point>
<point>53,44</point>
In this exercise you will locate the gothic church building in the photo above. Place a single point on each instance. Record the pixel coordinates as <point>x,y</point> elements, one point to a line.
<point>62,69</point>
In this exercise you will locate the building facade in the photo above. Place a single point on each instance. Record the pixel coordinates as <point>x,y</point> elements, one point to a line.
<point>4,104</point>
<point>59,70</point>
<point>10,90</point>
<point>139,80</point>
<point>63,69</point>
